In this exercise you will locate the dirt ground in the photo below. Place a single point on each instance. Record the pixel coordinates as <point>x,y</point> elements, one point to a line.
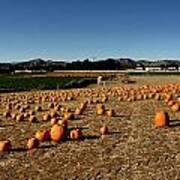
<point>133,149</point>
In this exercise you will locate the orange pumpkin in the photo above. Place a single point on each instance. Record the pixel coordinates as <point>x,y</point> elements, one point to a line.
<point>100,109</point>
<point>178,99</point>
<point>31,113</point>
<point>161,119</point>
<point>19,117</point>
<point>53,114</point>
<point>104,99</point>
<point>57,107</point>
<point>78,111</point>
<point>5,145</point>
<point>75,134</point>
<point>64,123</point>
<point>170,103</point>
<point>175,107</point>
<point>68,116</point>
<point>168,97</point>
<point>104,130</point>
<point>110,113</point>
<point>13,116</point>
<point>100,106</point>
<point>57,133</point>
<point>54,121</point>
<point>26,115</point>
<point>32,119</point>
<point>38,108</point>
<point>157,97</point>
<point>22,110</point>
<point>32,143</point>
<point>83,105</point>
<point>46,117</point>
<point>51,105</point>
<point>7,114</point>
<point>42,135</point>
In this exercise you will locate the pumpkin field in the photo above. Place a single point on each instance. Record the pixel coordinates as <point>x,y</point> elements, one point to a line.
<point>118,131</point>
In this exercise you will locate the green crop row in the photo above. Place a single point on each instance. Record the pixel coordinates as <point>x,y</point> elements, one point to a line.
<point>16,83</point>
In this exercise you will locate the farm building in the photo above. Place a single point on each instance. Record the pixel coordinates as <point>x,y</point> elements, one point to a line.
<point>152,69</point>
<point>29,71</point>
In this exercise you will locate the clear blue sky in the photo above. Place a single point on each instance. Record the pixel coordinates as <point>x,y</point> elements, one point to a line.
<point>78,29</point>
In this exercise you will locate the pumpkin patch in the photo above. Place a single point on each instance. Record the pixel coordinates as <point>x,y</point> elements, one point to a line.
<point>62,131</point>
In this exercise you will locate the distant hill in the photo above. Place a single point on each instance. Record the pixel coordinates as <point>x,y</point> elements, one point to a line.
<point>107,64</point>
<point>127,63</point>
<point>39,64</point>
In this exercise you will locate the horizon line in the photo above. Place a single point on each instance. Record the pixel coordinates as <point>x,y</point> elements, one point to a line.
<point>95,58</point>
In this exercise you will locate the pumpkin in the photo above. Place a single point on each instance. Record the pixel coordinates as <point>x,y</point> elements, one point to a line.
<point>78,111</point>
<point>104,99</point>
<point>17,107</point>
<point>83,105</point>
<point>110,113</point>
<point>170,103</point>
<point>145,97</point>
<point>68,116</point>
<point>53,114</point>
<point>42,135</point>
<point>75,134</point>
<point>150,96</point>
<point>26,115</point>
<point>27,106</point>
<point>31,113</point>
<point>64,123</point>
<point>168,97</point>
<point>5,145</point>
<point>161,119</point>
<point>104,130</point>
<point>32,143</point>
<point>46,117</point>
<point>32,119</point>
<point>57,132</point>
<point>13,116</point>
<point>57,107</point>
<point>100,111</point>
<point>19,117</point>
<point>22,110</point>
<point>54,121</point>
<point>38,108</point>
<point>178,99</point>
<point>7,114</point>
<point>100,106</point>
<point>9,107</point>
<point>157,97</point>
<point>175,107</point>
<point>51,105</point>
<point>139,97</point>
<point>69,98</point>
<point>120,98</point>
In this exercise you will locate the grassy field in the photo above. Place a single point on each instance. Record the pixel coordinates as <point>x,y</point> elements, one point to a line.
<point>133,149</point>
<point>28,83</point>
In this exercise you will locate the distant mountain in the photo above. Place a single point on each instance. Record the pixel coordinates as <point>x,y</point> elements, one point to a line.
<point>39,64</point>
<point>107,64</point>
<point>6,67</point>
<point>127,63</point>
